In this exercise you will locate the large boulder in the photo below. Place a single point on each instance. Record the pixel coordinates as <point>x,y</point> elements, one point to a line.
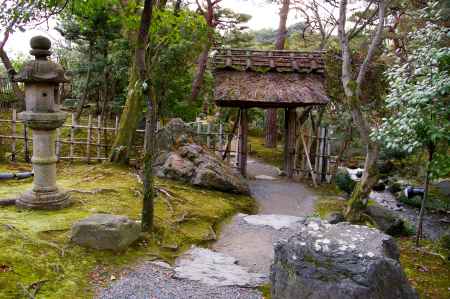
<point>338,261</point>
<point>174,133</point>
<point>105,232</point>
<point>386,220</point>
<point>191,163</point>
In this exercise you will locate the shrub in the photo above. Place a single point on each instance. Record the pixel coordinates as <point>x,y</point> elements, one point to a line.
<point>344,181</point>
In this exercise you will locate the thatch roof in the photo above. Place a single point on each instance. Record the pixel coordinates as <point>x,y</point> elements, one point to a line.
<point>268,79</point>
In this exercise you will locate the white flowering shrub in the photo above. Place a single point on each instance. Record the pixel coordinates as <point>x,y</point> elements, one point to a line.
<point>419,95</point>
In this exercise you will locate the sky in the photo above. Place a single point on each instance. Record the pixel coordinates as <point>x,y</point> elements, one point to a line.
<point>264,15</point>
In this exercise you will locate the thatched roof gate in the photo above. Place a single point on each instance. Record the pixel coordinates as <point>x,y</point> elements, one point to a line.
<point>247,78</point>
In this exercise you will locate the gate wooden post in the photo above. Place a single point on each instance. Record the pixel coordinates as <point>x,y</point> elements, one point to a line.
<point>242,154</point>
<point>289,141</point>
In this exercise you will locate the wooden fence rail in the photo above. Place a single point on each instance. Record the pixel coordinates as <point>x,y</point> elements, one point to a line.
<point>91,139</point>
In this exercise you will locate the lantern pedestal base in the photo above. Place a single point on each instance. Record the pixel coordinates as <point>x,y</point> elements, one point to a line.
<point>52,200</point>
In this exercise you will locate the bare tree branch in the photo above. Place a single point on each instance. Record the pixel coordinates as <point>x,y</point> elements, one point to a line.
<point>376,40</point>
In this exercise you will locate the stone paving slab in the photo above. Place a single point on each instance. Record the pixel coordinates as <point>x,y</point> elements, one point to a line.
<point>215,269</point>
<point>250,239</point>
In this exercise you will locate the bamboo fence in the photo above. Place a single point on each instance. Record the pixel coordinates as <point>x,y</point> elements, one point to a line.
<point>91,139</point>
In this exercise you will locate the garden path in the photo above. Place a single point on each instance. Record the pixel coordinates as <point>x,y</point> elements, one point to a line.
<point>252,245</point>
<point>241,257</point>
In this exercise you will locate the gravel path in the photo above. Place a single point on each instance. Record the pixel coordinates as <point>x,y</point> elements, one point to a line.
<point>279,196</point>
<point>152,281</point>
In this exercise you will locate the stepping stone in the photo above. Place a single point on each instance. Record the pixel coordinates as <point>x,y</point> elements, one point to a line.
<point>216,269</point>
<point>275,221</point>
<point>264,177</point>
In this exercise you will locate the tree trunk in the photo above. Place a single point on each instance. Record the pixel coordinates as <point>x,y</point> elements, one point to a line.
<point>360,195</point>
<point>106,86</point>
<point>86,85</point>
<point>271,128</point>
<point>149,154</point>
<point>129,120</point>
<point>424,198</point>
<point>282,31</point>
<point>271,114</point>
<point>11,72</point>
<point>352,90</point>
<point>201,68</point>
<point>177,7</point>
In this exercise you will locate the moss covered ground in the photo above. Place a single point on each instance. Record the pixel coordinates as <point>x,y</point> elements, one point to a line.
<point>427,269</point>
<point>37,256</point>
<point>272,156</point>
<point>328,200</point>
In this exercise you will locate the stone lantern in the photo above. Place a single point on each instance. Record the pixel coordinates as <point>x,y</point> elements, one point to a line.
<point>41,78</point>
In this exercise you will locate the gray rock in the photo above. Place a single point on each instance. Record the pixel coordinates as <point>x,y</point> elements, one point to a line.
<point>216,269</point>
<point>338,261</point>
<point>444,187</point>
<point>335,217</point>
<point>175,167</point>
<point>193,164</point>
<point>176,132</point>
<point>274,221</point>
<point>386,220</point>
<point>105,231</point>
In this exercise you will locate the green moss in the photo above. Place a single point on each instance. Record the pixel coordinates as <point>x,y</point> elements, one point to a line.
<point>272,156</point>
<point>35,245</point>
<point>427,272</point>
<point>326,205</point>
<point>266,290</point>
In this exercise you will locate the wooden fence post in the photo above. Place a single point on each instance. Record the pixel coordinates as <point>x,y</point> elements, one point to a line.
<point>116,125</point>
<point>321,153</point>
<point>105,136</point>
<point>13,131</point>
<point>199,130</point>
<point>88,138</point>
<point>208,136</point>
<point>238,137</point>
<point>99,124</point>
<point>221,137</point>
<point>72,137</point>
<point>311,169</point>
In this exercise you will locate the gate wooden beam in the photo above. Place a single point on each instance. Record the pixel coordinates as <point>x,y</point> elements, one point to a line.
<point>289,141</point>
<point>242,154</point>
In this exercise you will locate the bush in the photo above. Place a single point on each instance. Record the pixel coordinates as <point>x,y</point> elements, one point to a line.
<point>344,181</point>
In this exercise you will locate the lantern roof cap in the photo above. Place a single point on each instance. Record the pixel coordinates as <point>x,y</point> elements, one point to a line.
<point>41,70</point>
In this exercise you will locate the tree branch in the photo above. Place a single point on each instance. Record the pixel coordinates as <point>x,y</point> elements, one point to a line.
<point>376,40</point>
